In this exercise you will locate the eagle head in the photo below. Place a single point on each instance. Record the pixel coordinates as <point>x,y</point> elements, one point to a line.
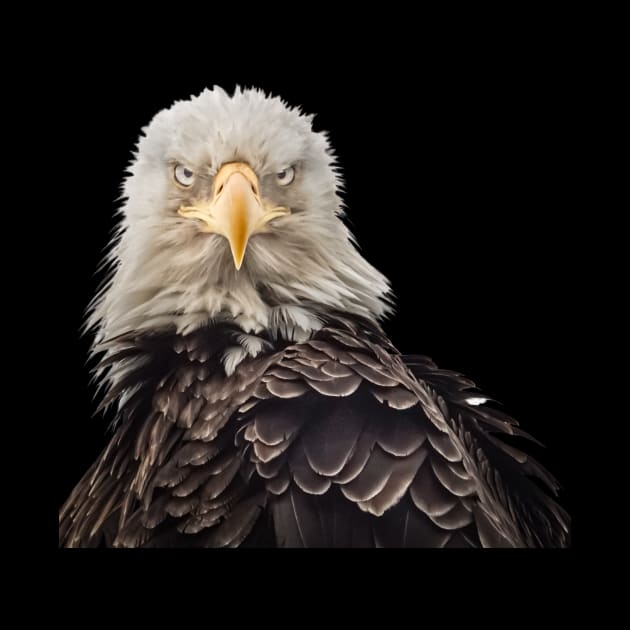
<point>232,211</point>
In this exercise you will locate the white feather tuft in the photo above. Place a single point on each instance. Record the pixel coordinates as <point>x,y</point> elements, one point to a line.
<point>253,345</point>
<point>475,401</point>
<point>232,357</point>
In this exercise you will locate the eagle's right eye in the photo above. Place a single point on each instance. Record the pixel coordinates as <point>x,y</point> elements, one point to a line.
<point>183,175</point>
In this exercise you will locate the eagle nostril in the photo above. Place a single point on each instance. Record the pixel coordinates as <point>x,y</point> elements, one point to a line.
<point>220,189</point>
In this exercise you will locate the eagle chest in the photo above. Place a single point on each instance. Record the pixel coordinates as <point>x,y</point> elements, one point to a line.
<point>326,424</point>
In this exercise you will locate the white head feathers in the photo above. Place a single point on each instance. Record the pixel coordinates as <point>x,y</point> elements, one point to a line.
<point>165,272</point>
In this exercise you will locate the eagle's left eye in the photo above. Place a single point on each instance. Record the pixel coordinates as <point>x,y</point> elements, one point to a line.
<point>285,176</point>
<point>183,175</point>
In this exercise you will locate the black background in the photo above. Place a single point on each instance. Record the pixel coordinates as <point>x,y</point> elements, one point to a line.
<point>453,151</point>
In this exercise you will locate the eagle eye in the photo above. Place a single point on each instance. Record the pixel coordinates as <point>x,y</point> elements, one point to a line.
<point>285,176</point>
<point>183,175</point>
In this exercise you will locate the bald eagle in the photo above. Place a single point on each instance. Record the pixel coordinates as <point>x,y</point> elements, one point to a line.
<point>258,400</point>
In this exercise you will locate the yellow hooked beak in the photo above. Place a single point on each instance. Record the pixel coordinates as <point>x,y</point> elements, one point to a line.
<point>236,210</point>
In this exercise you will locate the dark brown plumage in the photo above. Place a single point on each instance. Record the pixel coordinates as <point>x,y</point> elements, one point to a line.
<point>339,441</point>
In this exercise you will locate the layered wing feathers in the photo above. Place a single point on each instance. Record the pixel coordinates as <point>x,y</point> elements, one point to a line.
<point>336,441</point>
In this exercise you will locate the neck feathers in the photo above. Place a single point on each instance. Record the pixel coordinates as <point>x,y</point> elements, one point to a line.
<point>161,281</point>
